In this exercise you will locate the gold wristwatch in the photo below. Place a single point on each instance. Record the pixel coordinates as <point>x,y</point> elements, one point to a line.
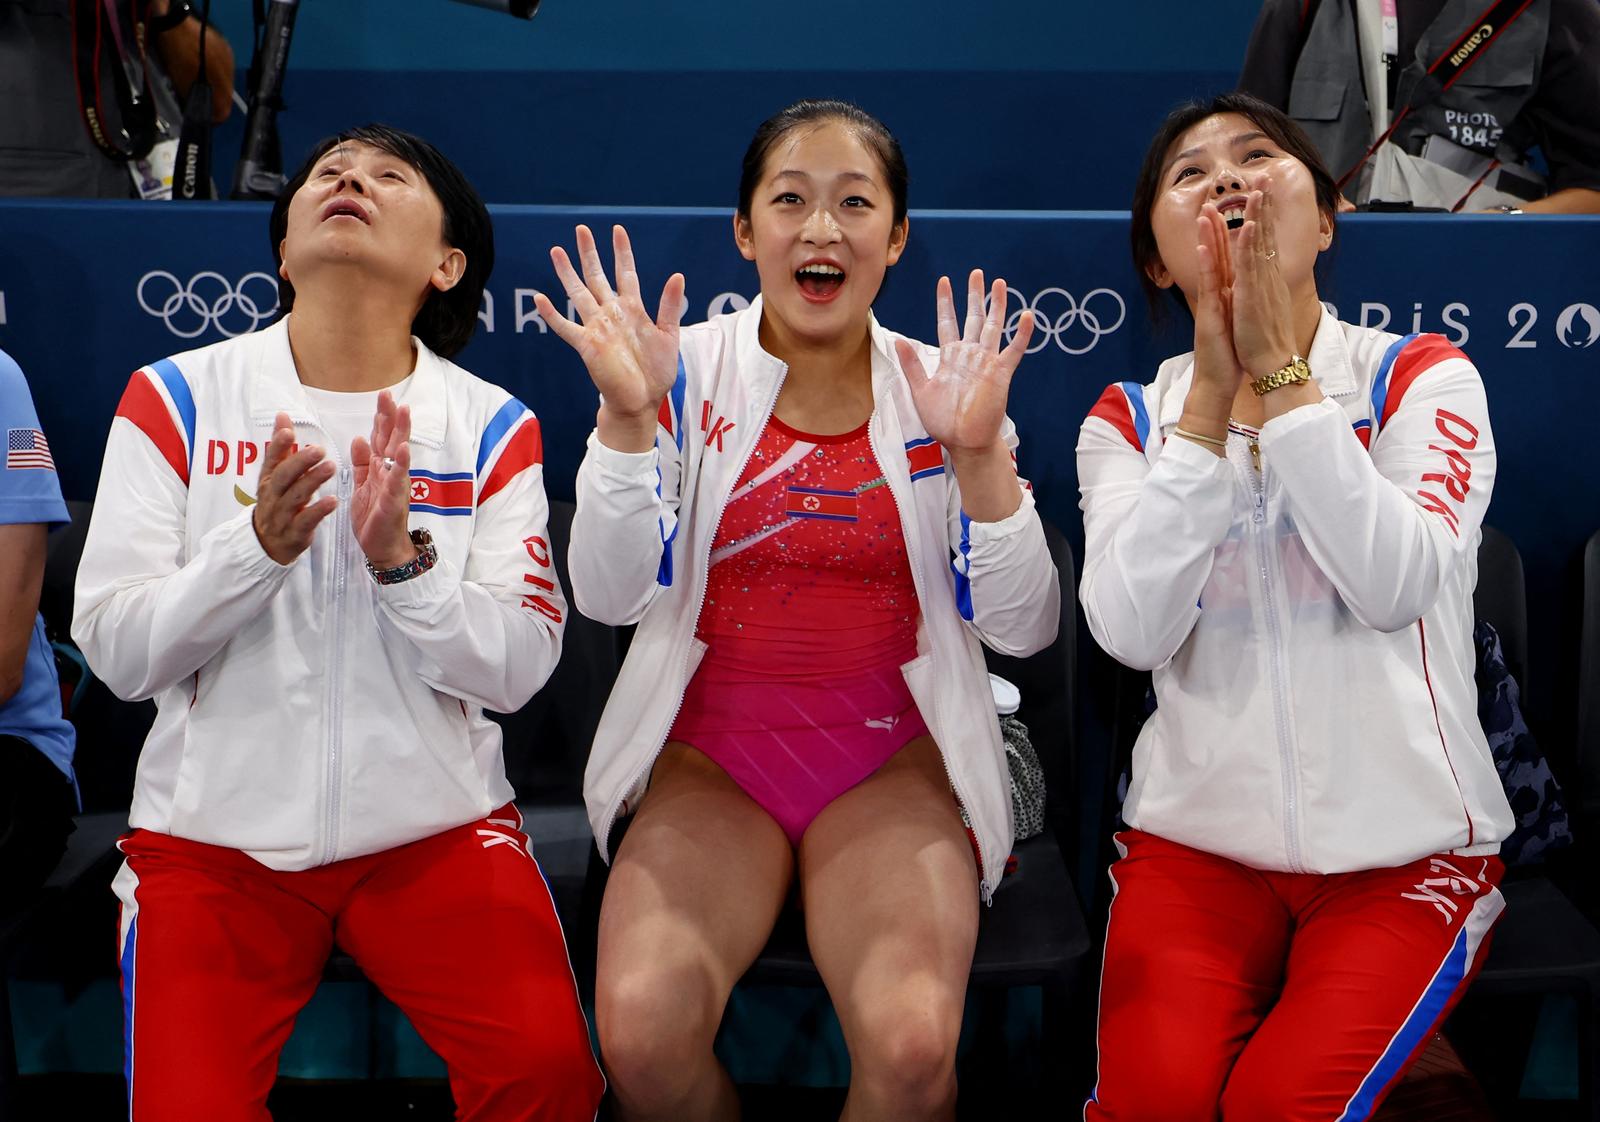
<point>1296,371</point>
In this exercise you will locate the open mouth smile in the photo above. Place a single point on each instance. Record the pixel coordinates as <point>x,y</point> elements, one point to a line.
<point>819,281</point>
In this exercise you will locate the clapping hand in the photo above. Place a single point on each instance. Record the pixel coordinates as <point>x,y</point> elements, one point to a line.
<point>285,517</point>
<point>380,507</point>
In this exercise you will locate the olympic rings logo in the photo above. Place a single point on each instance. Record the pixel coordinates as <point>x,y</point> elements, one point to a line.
<point>209,300</point>
<point>1058,317</point>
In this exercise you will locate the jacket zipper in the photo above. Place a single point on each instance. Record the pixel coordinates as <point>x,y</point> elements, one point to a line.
<point>700,602</point>
<point>1287,760</point>
<point>335,707</point>
<point>984,889</point>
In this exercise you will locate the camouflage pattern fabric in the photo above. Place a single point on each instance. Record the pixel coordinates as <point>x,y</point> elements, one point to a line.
<point>1535,796</point>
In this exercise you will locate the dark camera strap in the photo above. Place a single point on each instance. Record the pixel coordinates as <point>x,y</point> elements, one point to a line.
<point>130,80</point>
<point>1472,45</point>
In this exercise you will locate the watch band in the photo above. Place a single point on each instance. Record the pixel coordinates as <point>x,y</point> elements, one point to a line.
<point>1294,372</point>
<point>427,555</point>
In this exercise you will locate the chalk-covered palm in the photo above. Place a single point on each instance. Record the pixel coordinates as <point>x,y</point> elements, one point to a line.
<point>631,358</point>
<point>963,402</point>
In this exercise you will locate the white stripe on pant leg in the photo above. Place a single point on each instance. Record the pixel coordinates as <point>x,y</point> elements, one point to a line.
<point>1450,975</point>
<point>125,885</point>
<point>1100,989</point>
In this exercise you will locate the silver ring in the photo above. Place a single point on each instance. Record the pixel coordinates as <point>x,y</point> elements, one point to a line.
<point>388,462</point>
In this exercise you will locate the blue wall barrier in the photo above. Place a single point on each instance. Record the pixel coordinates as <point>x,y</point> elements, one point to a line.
<point>90,291</point>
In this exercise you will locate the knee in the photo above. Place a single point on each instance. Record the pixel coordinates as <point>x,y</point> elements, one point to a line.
<point>656,1030</point>
<point>907,1054</point>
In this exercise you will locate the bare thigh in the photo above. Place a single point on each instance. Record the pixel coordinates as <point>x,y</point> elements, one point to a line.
<point>695,888</point>
<point>891,900</point>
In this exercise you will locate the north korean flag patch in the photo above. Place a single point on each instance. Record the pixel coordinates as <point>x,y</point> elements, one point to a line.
<point>441,493</point>
<point>815,502</point>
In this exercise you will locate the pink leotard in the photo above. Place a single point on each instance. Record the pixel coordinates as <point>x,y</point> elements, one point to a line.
<point>810,612</point>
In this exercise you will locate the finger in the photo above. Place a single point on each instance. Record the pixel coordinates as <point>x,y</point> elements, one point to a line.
<point>573,285</point>
<point>1220,244</point>
<point>304,523</point>
<point>944,303</point>
<point>627,271</point>
<point>1011,357</point>
<point>289,471</point>
<point>594,274</point>
<point>1269,223</point>
<point>669,313</point>
<point>396,479</point>
<point>278,445</point>
<point>1252,217</point>
<point>911,365</point>
<point>974,325</point>
<point>567,331</point>
<point>989,337</point>
<point>400,433</point>
<point>382,423</point>
<point>360,458</point>
<point>299,493</point>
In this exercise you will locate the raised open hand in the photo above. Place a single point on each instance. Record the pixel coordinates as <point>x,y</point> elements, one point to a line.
<point>380,507</point>
<point>963,402</point>
<point>631,358</point>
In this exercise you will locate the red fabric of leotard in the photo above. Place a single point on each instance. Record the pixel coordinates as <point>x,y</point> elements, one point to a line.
<point>809,577</point>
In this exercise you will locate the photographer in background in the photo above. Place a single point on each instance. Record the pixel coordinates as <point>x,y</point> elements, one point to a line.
<point>1437,103</point>
<point>46,144</point>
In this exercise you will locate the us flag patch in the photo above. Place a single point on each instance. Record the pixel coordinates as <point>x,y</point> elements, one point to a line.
<point>27,448</point>
<point>815,502</point>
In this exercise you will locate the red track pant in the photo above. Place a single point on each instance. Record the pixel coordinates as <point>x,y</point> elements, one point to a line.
<point>1247,996</point>
<point>219,954</point>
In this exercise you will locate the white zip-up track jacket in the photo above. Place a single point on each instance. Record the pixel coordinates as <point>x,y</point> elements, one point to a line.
<point>307,714</point>
<point>1309,626</point>
<point>641,543</point>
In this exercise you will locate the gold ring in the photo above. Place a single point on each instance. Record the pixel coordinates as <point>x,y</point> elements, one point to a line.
<point>1271,253</point>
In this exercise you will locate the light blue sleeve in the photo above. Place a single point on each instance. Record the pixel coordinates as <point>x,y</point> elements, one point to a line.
<point>30,489</point>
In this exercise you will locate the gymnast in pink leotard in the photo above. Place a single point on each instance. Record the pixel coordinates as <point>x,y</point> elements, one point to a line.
<point>812,533</point>
<point>810,612</point>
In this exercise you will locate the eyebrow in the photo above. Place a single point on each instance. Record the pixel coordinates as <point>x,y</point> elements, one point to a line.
<point>1242,138</point>
<point>851,175</point>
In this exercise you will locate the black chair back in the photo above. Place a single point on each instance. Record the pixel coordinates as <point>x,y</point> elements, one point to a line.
<point>1501,599</point>
<point>1588,769</point>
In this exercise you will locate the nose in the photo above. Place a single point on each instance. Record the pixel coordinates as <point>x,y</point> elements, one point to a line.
<point>820,227</point>
<point>352,179</point>
<point>1228,179</point>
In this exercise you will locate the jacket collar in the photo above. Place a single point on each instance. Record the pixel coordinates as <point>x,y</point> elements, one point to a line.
<point>1329,360</point>
<point>275,387</point>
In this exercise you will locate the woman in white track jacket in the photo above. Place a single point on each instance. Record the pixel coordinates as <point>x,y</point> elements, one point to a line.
<point>1283,526</point>
<point>321,548</point>
<point>813,534</point>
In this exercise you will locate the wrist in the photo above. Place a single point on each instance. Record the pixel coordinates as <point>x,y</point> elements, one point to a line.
<point>417,558</point>
<point>626,432</point>
<point>966,458</point>
<point>1205,409</point>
